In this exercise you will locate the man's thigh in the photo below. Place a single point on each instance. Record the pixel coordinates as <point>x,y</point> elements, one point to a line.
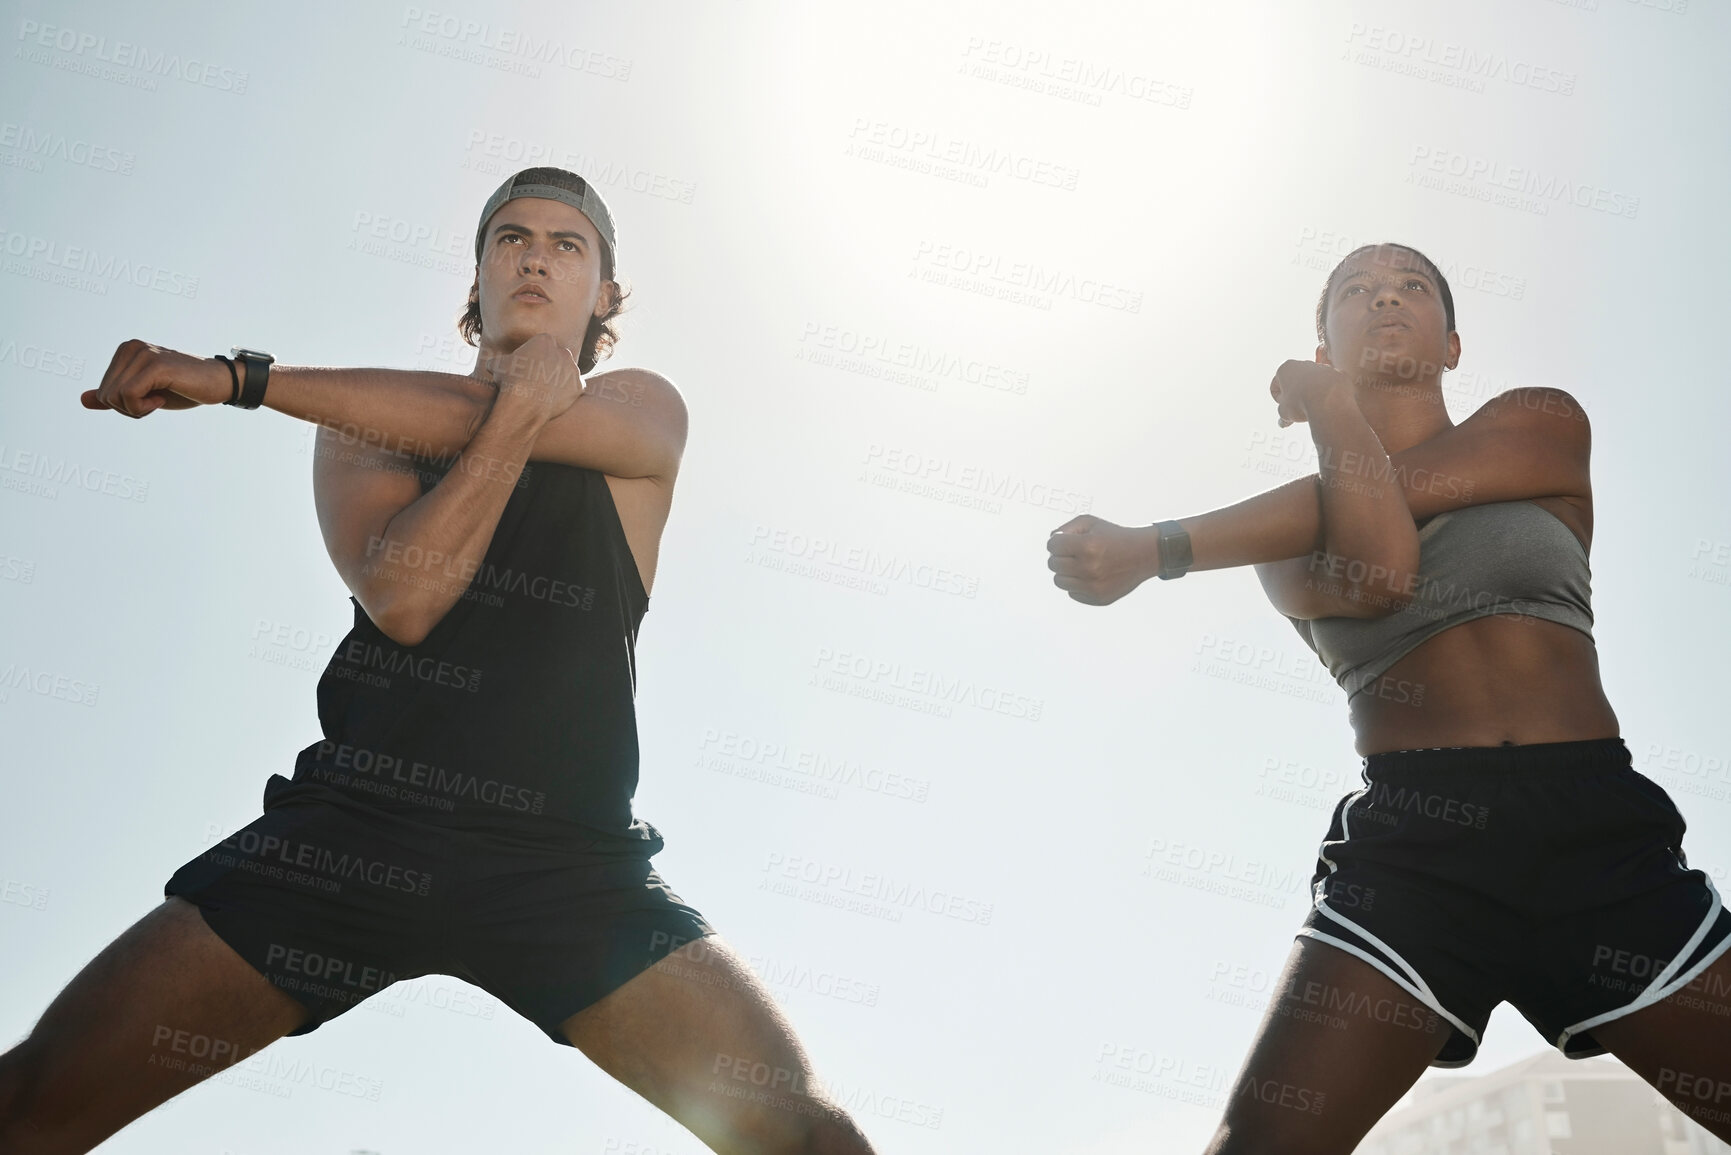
<point>164,1006</point>
<point>698,1035</point>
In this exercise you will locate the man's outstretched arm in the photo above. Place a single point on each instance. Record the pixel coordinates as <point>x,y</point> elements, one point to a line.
<point>627,423</point>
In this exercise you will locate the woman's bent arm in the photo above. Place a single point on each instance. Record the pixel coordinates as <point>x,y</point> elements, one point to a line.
<point>1526,443</point>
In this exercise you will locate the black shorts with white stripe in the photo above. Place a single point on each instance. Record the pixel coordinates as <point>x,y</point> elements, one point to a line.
<point>1549,876</point>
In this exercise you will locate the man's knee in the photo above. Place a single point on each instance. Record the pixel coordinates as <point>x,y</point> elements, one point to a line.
<point>14,1070</point>
<point>785,1120</point>
<point>25,1118</point>
<point>813,1128</point>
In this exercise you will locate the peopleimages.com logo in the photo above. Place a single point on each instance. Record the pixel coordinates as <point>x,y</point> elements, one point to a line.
<point>1523,187</point>
<point>88,52</point>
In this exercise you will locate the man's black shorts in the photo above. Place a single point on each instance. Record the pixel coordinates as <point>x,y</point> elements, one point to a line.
<point>333,904</point>
<point>1549,876</point>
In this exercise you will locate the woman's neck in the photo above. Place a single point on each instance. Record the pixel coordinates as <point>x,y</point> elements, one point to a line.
<point>1403,413</point>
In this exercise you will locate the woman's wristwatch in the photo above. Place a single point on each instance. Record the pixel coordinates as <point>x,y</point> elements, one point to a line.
<point>1175,556</point>
<point>251,394</point>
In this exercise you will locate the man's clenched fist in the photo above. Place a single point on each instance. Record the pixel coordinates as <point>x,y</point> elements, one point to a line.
<point>540,373</point>
<point>143,378</point>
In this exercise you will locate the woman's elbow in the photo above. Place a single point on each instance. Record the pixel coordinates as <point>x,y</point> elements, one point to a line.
<point>1379,603</point>
<point>1386,588</point>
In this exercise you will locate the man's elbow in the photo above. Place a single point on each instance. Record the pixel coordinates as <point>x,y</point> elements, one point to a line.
<point>398,619</point>
<point>408,638</point>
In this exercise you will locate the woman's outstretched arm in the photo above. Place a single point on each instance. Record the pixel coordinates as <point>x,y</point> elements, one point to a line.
<point>1526,443</point>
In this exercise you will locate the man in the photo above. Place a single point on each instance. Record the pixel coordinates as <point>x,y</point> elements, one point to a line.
<point>467,811</point>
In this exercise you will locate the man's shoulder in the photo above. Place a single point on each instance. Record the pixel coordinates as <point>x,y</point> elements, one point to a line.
<point>636,386</point>
<point>651,400</point>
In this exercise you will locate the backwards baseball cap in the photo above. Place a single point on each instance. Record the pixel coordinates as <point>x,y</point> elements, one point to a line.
<point>554,184</point>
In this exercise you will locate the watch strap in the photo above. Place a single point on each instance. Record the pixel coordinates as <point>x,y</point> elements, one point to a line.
<point>232,376</point>
<point>257,376</point>
<point>1175,556</point>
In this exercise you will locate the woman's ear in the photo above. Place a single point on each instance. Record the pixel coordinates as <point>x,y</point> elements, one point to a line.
<point>1322,356</point>
<point>1454,357</point>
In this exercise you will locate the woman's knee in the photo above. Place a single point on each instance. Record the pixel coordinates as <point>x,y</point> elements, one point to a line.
<point>1251,1136</point>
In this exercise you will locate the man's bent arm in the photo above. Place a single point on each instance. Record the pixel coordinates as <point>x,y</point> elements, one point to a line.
<point>629,423</point>
<point>408,557</point>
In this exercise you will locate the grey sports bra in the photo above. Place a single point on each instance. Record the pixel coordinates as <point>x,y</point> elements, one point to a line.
<point>1507,557</point>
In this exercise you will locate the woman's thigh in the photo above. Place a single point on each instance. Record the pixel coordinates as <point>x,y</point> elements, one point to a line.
<point>1340,1043</point>
<point>1682,1045</point>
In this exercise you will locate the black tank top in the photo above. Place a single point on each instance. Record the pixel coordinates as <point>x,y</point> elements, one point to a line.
<point>515,716</point>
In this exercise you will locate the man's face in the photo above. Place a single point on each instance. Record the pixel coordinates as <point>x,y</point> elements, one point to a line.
<point>540,273</point>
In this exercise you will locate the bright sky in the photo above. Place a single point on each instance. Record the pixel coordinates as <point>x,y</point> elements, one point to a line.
<point>932,277</point>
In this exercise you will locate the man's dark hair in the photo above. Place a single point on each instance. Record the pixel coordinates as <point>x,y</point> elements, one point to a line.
<point>599,339</point>
<point>1428,265</point>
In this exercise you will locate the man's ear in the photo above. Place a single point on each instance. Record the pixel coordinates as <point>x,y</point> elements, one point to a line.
<point>1322,356</point>
<point>1454,357</point>
<point>607,299</point>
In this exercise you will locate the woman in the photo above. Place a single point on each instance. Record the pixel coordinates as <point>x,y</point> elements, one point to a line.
<point>1502,848</point>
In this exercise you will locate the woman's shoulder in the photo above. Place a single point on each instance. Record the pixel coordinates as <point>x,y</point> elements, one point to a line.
<point>1541,408</point>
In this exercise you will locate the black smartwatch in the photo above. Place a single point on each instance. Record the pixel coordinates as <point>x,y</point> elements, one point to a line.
<point>1175,556</point>
<point>257,374</point>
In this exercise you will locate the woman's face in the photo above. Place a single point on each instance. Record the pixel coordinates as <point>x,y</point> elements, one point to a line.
<point>1386,319</point>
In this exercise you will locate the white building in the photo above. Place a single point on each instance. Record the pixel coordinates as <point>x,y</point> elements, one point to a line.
<point>1545,1105</point>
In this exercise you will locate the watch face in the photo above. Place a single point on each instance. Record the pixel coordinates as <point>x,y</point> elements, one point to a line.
<point>251,354</point>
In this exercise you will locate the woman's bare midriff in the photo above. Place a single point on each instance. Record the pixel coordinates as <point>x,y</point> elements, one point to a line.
<point>1492,681</point>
